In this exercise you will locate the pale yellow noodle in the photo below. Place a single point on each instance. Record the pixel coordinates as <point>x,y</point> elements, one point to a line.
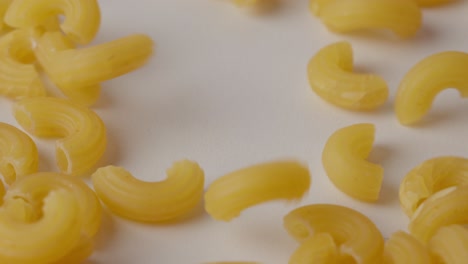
<point>82,133</point>
<point>18,153</point>
<point>81,23</point>
<point>357,239</point>
<point>4,4</point>
<point>403,17</point>
<point>446,207</point>
<point>404,248</point>
<point>167,200</point>
<point>429,177</point>
<point>317,249</point>
<point>331,76</point>
<point>344,160</point>
<point>426,79</point>
<point>232,193</point>
<point>450,245</point>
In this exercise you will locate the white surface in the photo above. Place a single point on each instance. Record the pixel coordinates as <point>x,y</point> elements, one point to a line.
<point>228,89</point>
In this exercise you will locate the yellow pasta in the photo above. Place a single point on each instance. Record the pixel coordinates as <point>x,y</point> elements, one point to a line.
<point>429,177</point>
<point>343,159</point>
<point>404,248</point>
<point>4,4</point>
<point>18,153</point>
<point>450,245</point>
<point>431,3</point>
<point>331,77</point>
<point>18,74</point>
<point>443,208</point>
<point>230,194</point>
<point>81,23</point>
<point>357,239</point>
<point>317,249</point>
<point>78,72</point>
<point>402,17</point>
<point>161,201</point>
<point>425,80</point>
<point>75,213</point>
<point>83,134</point>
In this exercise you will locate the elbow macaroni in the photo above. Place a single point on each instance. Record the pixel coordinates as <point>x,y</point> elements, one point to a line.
<point>162,201</point>
<point>425,80</point>
<point>343,159</point>
<point>82,17</point>
<point>354,235</point>
<point>331,77</point>
<point>83,133</point>
<point>403,17</point>
<point>443,208</point>
<point>429,177</point>
<point>229,195</point>
<point>18,153</point>
<point>450,244</point>
<point>404,248</point>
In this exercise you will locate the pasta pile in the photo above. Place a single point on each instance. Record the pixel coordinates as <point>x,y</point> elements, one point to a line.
<point>53,217</point>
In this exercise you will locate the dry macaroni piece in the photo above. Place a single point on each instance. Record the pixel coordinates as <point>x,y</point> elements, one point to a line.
<point>167,200</point>
<point>47,218</point>
<point>425,80</point>
<point>78,72</point>
<point>82,17</point>
<point>450,245</point>
<point>429,177</point>
<point>230,194</point>
<point>403,17</point>
<point>446,207</point>
<point>355,238</point>
<point>18,153</point>
<point>18,74</point>
<point>317,249</point>
<point>331,77</point>
<point>82,133</point>
<point>344,160</point>
<point>404,248</point>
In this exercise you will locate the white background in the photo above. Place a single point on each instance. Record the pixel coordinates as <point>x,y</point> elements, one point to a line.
<point>228,88</point>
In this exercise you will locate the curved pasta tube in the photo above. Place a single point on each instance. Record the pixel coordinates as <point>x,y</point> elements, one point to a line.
<point>317,249</point>
<point>82,17</point>
<point>83,133</point>
<point>18,74</point>
<point>450,244</point>
<point>425,80</point>
<point>168,200</point>
<point>230,194</point>
<point>443,208</point>
<point>429,177</point>
<point>331,77</point>
<point>343,159</point>
<point>78,72</point>
<point>18,153</point>
<point>44,240</point>
<point>402,17</point>
<point>404,248</point>
<point>355,235</point>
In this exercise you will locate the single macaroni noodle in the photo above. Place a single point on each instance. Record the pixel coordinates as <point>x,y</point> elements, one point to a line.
<point>81,23</point>
<point>429,177</point>
<point>234,192</point>
<point>402,17</point>
<point>425,80</point>
<point>450,245</point>
<point>167,200</point>
<point>344,160</point>
<point>83,134</point>
<point>317,249</point>
<point>355,238</point>
<point>402,247</point>
<point>331,77</point>
<point>18,153</point>
<point>18,74</point>
<point>443,208</point>
<point>78,72</point>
